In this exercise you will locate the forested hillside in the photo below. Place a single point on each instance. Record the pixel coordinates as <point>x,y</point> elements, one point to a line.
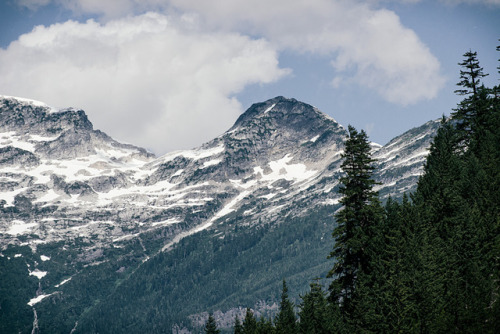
<point>426,264</point>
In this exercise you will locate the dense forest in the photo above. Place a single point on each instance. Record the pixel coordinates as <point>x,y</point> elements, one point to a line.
<point>426,264</point>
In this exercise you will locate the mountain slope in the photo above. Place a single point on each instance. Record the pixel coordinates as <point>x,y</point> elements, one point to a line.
<point>82,212</point>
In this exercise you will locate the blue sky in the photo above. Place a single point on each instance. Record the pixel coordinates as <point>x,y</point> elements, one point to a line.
<point>172,74</point>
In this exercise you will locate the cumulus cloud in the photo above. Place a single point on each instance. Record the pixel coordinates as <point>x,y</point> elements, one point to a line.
<point>211,57</point>
<point>367,46</point>
<point>150,80</point>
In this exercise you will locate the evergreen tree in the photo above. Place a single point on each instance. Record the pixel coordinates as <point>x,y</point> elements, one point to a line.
<point>313,311</point>
<point>470,74</point>
<point>386,304</point>
<point>457,202</point>
<point>265,326</point>
<point>470,112</point>
<point>249,323</point>
<point>211,325</point>
<point>356,222</point>
<point>286,322</point>
<point>238,329</point>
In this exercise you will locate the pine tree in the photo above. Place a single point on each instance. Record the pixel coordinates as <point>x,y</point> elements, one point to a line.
<point>265,326</point>
<point>211,325</point>
<point>470,113</point>
<point>356,222</point>
<point>470,75</point>
<point>313,311</point>
<point>249,323</point>
<point>285,321</point>
<point>238,329</point>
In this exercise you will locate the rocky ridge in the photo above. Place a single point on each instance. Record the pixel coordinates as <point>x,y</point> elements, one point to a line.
<point>61,179</point>
<point>77,207</point>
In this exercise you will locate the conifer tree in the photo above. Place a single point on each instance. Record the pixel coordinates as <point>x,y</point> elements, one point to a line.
<point>211,325</point>
<point>238,329</point>
<point>313,311</point>
<point>356,222</point>
<point>470,111</point>
<point>249,323</point>
<point>265,326</point>
<point>470,74</point>
<point>286,322</point>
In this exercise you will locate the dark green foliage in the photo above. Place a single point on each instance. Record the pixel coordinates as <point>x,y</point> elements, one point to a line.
<point>238,328</point>
<point>286,322</point>
<point>265,326</point>
<point>432,264</point>
<point>16,289</point>
<point>357,222</point>
<point>313,311</point>
<point>211,325</point>
<point>470,74</point>
<point>249,323</point>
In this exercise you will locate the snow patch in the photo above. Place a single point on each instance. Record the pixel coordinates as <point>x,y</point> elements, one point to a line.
<point>270,108</point>
<point>38,273</point>
<point>12,139</point>
<point>20,227</point>
<point>167,222</point>
<point>34,103</point>
<point>63,282</point>
<point>268,196</point>
<point>193,154</point>
<point>49,196</point>
<point>313,139</point>
<point>179,172</point>
<point>42,138</point>
<point>211,163</point>
<point>280,169</point>
<point>228,208</point>
<point>38,299</point>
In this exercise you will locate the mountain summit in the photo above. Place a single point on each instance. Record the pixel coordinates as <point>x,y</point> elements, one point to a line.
<point>77,204</point>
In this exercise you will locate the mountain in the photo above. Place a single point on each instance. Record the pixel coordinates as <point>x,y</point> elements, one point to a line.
<point>96,235</point>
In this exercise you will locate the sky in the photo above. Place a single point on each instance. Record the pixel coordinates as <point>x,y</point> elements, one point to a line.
<point>172,74</point>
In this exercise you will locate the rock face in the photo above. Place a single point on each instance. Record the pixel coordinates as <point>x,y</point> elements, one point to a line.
<point>280,157</point>
<point>63,182</point>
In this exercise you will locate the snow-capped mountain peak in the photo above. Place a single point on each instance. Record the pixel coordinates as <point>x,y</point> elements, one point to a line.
<point>61,178</point>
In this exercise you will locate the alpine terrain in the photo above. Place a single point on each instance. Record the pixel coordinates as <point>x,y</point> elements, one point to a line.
<point>100,236</point>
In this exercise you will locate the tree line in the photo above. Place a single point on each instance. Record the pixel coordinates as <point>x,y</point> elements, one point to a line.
<point>427,264</point>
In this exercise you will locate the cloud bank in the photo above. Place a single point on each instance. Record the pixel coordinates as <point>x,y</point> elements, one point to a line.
<point>145,79</point>
<point>170,77</point>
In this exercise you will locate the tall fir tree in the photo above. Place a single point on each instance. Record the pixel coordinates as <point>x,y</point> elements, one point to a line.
<point>211,325</point>
<point>265,326</point>
<point>249,323</point>
<point>313,311</point>
<point>470,74</point>
<point>357,221</point>
<point>285,321</point>
<point>470,112</point>
<point>238,328</point>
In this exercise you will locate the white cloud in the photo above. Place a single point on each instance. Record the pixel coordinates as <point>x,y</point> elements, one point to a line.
<point>211,58</point>
<point>367,46</point>
<point>148,80</point>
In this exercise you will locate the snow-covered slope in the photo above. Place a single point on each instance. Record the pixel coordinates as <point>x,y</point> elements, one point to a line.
<point>81,213</point>
<point>60,179</point>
